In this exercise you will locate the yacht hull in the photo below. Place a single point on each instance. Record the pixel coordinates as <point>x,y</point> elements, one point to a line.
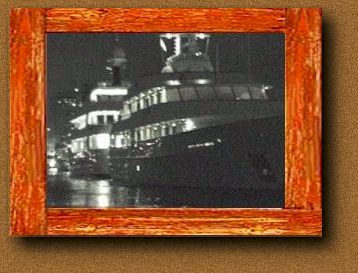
<point>247,155</point>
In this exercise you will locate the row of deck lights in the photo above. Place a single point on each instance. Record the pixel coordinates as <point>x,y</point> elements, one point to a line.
<point>156,130</point>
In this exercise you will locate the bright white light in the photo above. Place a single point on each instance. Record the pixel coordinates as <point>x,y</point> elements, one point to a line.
<point>202,35</point>
<point>101,141</point>
<point>137,168</point>
<point>52,171</point>
<point>202,81</point>
<point>189,125</point>
<point>268,87</point>
<point>102,187</point>
<point>103,201</point>
<point>200,145</point>
<point>173,82</point>
<point>52,163</point>
<point>76,90</point>
<point>163,46</point>
<point>108,91</point>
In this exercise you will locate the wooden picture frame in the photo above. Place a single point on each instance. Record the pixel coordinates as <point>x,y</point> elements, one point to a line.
<point>301,214</point>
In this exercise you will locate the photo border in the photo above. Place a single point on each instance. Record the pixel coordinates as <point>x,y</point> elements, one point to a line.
<point>302,213</point>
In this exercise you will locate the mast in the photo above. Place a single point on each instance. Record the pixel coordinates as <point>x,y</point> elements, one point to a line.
<point>117,62</point>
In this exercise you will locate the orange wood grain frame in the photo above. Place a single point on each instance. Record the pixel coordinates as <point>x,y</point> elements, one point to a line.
<point>301,214</point>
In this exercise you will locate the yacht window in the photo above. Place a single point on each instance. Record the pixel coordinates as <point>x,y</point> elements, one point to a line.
<point>174,129</point>
<point>134,106</point>
<point>156,132</point>
<point>256,93</point>
<point>142,134</point>
<point>167,131</point>
<point>146,102</point>
<point>137,135</point>
<point>162,131</point>
<point>147,133</point>
<point>110,119</point>
<point>205,92</point>
<point>241,92</point>
<point>115,98</point>
<point>188,93</point>
<point>154,98</point>
<point>173,95</point>
<point>126,109</point>
<point>162,96</point>
<point>102,98</point>
<point>100,119</point>
<point>150,100</point>
<point>224,92</point>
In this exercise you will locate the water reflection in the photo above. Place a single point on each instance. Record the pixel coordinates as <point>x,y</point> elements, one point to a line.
<point>70,192</point>
<point>63,191</point>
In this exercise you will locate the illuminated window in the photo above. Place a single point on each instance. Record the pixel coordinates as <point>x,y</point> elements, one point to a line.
<point>163,96</point>
<point>133,106</point>
<point>136,135</point>
<point>156,132</point>
<point>174,129</point>
<point>99,141</point>
<point>189,125</point>
<point>126,109</point>
<point>256,93</point>
<point>162,131</point>
<point>241,92</point>
<point>155,98</point>
<point>141,134</point>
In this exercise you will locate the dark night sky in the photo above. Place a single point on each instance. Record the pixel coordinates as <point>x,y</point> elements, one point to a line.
<point>77,59</point>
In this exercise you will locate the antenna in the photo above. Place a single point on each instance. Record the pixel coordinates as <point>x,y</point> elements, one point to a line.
<point>217,61</point>
<point>249,55</point>
<point>117,62</point>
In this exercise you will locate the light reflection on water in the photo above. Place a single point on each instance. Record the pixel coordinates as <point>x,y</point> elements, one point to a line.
<point>73,192</point>
<point>63,191</point>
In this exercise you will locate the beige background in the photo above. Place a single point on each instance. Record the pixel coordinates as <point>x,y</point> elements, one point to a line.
<point>336,252</point>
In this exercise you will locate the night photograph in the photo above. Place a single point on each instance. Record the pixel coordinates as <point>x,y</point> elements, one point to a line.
<point>165,120</point>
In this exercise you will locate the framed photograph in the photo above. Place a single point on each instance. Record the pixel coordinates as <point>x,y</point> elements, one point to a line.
<point>165,122</point>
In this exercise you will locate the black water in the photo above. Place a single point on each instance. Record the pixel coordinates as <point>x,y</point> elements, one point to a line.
<point>66,192</point>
